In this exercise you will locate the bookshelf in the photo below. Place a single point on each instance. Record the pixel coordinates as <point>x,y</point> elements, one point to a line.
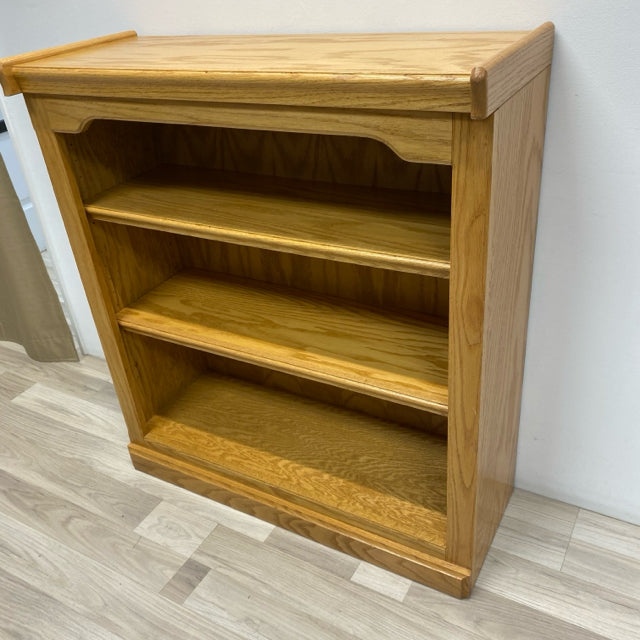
<point>309,261</point>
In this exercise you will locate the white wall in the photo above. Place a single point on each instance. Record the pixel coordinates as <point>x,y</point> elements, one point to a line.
<point>580,428</point>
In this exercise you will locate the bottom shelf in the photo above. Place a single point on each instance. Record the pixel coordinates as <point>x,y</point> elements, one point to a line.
<point>381,477</point>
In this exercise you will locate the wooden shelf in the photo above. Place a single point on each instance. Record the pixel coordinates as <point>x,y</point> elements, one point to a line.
<point>362,470</point>
<point>386,228</point>
<point>393,356</point>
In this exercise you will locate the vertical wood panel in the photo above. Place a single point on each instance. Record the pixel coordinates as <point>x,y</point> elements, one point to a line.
<point>134,260</point>
<point>135,406</point>
<point>517,161</point>
<point>472,148</point>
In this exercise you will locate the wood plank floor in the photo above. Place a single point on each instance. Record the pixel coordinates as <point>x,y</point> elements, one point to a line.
<point>91,548</point>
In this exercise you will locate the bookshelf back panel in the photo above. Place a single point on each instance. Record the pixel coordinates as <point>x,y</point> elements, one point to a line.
<point>137,260</point>
<point>301,156</point>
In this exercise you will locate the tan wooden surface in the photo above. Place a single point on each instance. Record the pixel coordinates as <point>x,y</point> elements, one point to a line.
<point>407,71</point>
<point>395,357</point>
<point>375,407</point>
<point>7,80</point>
<point>471,199</point>
<point>493,83</point>
<point>135,404</point>
<point>406,231</point>
<point>389,475</point>
<point>490,284</point>
<point>515,184</point>
<point>415,136</point>
<point>381,550</point>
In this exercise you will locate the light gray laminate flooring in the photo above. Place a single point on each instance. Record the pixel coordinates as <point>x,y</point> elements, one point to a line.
<point>92,549</point>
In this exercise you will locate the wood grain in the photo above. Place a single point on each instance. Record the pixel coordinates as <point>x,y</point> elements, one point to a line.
<point>10,85</point>
<point>256,599</point>
<point>470,206</point>
<point>407,71</point>
<point>612,614</point>
<point>610,534</point>
<point>500,77</point>
<point>252,577</point>
<point>608,569</point>
<point>394,357</point>
<point>382,228</point>
<point>133,260</point>
<point>188,577</point>
<point>491,616</point>
<point>108,153</point>
<point>175,528</point>
<point>96,590</point>
<point>391,475</point>
<point>379,550</point>
<point>515,186</point>
<point>329,394</point>
<point>27,458</point>
<point>19,604</point>
<point>380,288</point>
<point>415,136</point>
<point>134,403</point>
<point>315,157</point>
<point>141,560</point>
<point>382,581</point>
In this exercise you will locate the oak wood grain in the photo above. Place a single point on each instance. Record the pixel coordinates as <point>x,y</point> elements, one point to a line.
<point>380,288</point>
<point>329,394</point>
<point>407,71</point>
<point>519,127</point>
<point>383,228</point>
<point>10,85</point>
<point>470,205</point>
<point>500,77</point>
<point>395,357</point>
<point>135,405</point>
<point>415,136</point>
<point>380,550</point>
<point>391,475</point>
<point>358,160</point>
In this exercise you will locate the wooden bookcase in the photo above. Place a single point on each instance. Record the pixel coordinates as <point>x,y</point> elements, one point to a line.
<point>309,261</point>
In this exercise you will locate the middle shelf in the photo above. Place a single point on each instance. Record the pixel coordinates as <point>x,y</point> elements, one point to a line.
<point>378,227</point>
<point>401,357</point>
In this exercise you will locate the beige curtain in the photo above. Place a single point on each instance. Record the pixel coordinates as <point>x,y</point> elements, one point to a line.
<point>30,311</point>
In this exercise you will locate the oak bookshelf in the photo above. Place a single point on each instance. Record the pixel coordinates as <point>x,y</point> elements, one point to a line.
<point>309,261</point>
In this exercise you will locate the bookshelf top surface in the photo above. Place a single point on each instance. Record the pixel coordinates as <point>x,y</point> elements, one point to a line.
<point>446,65</point>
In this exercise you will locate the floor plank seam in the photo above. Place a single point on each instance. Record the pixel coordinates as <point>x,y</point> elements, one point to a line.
<point>573,528</point>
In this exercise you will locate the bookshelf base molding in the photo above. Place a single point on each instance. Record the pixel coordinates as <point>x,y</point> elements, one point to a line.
<point>426,569</point>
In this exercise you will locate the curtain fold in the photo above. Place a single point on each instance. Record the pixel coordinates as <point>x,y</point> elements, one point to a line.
<point>30,312</point>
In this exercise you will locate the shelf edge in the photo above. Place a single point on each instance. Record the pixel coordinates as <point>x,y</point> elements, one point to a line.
<point>438,404</point>
<point>434,268</point>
